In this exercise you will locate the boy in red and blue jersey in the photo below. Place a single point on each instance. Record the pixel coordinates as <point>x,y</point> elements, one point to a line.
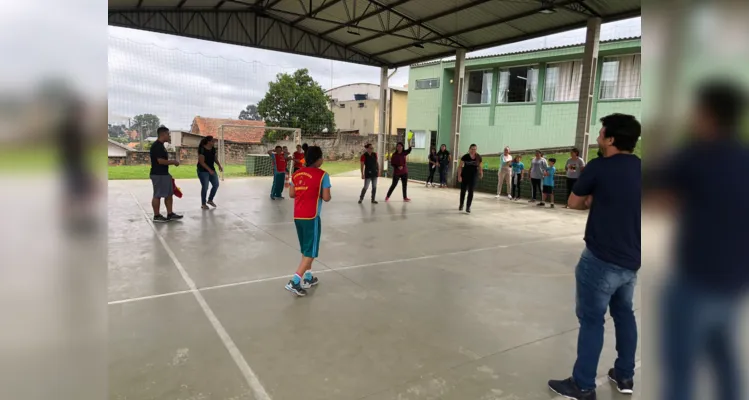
<point>278,161</point>
<point>309,187</point>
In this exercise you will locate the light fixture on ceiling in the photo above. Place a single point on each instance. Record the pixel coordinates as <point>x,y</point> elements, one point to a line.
<point>353,30</point>
<point>547,7</point>
<point>548,11</point>
<point>419,45</point>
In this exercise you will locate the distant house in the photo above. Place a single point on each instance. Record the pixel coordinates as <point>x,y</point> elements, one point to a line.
<point>115,149</point>
<point>234,130</point>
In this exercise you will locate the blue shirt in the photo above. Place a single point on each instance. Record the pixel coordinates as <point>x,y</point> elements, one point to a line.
<point>517,167</point>
<point>325,185</point>
<point>612,232</point>
<point>711,236</point>
<point>549,180</point>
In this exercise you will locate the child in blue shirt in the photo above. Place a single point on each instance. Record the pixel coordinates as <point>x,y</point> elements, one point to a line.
<point>548,184</point>
<point>517,176</point>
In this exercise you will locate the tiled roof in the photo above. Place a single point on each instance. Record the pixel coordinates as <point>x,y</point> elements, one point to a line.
<point>531,50</point>
<point>249,132</point>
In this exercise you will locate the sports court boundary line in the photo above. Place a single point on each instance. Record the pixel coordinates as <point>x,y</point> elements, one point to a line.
<point>252,380</point>
<point>350,267</point>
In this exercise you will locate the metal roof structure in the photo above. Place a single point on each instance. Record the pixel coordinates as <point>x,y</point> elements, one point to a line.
<point>388,33</point>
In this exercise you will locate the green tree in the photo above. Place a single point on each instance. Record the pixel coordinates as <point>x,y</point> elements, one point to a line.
<point>116,132</point>
<point>296,101</point>
<point>146,123</point>
<point>250,113</point>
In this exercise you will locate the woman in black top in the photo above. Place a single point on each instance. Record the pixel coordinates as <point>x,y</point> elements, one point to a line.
<point>469,172</point>
<point>444,159</point>
<point>433,165</point>
<point>207,170</point>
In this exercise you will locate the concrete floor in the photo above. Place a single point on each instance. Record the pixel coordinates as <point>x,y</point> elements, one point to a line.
<point>416,301</point>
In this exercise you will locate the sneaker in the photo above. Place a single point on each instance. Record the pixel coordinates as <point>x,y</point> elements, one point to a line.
<point>360,200</point>
<point>272,198</point>
<point>568,389</point>
<point>174,217</point>
<point>281,198</point>
<point>406,199</point>
<point>468,210</point>
<point>509,197</point>
<point>296,289</point>
<point>387,199</point>
<point>625,386</point>
<point>160,219</point>
<point>532,201</point>
<point>551,205</point>
<point>542,204</point>
<point>374,201</point>
<point>497,196</point>
<point>308,283</point>
<point>460,208</point>
<point>205,207</point>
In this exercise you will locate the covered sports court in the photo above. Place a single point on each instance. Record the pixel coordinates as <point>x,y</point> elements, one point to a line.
<point>416,301</point>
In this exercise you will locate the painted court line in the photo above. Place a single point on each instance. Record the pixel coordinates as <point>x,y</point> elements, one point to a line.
<point>254,383</point>
<point>602,380</point>
<point>323,271</point>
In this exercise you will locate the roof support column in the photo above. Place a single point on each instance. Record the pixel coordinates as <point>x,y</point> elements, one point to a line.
<point>587,86</point>
<point>383,118</point>
<point>457,110</point>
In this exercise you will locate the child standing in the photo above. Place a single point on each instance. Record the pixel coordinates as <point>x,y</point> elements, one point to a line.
<point>310,186</point>
<point>517,176</point>
<point>278,161</point>
<point>548,190</point>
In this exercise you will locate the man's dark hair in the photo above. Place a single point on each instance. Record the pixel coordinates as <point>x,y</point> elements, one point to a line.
<point>553,160</point>
<point>314,153</point>
<point>305,147</point>
<point>162,129</point>
<point>576,151</point>
<point>724,102</point>
<point>472,145</point>
<point>368,145</point>
<point>399,143</point>
<point>624,129</point>
<point>539,152</point>
<point>279,147</point>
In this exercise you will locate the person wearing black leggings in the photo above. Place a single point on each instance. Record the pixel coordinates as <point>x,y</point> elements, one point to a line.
<point>469,172</point>
<point>538,167</point>
<point>444,159</point>
<point>400,171</point>
<point>433,165</point>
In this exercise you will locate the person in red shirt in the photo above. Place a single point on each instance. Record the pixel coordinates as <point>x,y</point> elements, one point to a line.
<point>400,170</point>
<point>278,161</point>
<point>309,187</point>
<point>298,158</point>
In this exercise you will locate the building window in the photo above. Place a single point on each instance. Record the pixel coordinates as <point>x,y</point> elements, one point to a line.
<point>563,81</point>
<point>620,77</point>
<point>431,83</point>
<point>419,139</point>
<point>517,85</point>
<point>478,87</point>
<point>342,106</point>
<point>361,105</point>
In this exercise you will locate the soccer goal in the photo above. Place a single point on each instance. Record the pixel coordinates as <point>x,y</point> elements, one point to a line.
<point>234,156</point>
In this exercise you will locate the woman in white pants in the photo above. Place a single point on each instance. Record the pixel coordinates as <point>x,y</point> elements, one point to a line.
<point>505,173</point>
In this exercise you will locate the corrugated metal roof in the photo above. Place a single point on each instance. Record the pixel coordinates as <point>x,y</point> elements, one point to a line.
<point>388,33</point>
<point>533,50</point>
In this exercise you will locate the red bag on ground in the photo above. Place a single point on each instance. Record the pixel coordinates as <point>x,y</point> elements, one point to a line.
<point>177,191</point>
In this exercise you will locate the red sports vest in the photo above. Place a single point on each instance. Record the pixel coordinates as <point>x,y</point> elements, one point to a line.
<point>307,191</point>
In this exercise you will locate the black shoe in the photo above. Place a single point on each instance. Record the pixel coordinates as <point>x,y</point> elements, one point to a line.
<point>360,200</point>
<point>625,386</point>
<point>281,198</point>
<point>568,389</point>
<point>460,208</point>
<point>374,201</point>
<point>296,289</point>
<point>174,217</point>
<point>542,204</point>
<point>159,219</point>
<point>308,283</point>
<point>468,210</point>
<point>551,205</point>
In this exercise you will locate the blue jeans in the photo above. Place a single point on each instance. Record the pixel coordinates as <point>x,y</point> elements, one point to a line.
<point>696,323</point>
<point>205,177</point>
<point>277,188</point>
<point>602,285</point>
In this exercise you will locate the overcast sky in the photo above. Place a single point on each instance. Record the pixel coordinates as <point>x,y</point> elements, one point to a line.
<point>178,78</point>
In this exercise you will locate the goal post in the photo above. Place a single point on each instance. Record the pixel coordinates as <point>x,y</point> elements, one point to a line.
<point>296,133</point>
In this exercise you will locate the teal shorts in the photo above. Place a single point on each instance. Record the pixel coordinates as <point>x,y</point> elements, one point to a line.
<point>309,231</point>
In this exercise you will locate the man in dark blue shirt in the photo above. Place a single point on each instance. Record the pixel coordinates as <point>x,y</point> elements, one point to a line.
<point>607,271</point>
<point>702,302</point>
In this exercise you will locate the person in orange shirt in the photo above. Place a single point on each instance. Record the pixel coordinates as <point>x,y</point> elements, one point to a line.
<point>309,187</point>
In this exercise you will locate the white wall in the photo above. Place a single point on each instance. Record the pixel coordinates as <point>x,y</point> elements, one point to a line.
<point>115,151</point>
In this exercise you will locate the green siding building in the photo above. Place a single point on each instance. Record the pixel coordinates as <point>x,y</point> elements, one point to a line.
<point>524,100</point>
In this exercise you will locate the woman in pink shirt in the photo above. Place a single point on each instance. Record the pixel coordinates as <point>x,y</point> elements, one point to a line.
<point>400,170</point>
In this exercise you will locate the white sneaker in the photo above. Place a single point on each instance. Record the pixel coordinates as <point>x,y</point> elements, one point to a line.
<point>497,196</point>
<point>509,197</point>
